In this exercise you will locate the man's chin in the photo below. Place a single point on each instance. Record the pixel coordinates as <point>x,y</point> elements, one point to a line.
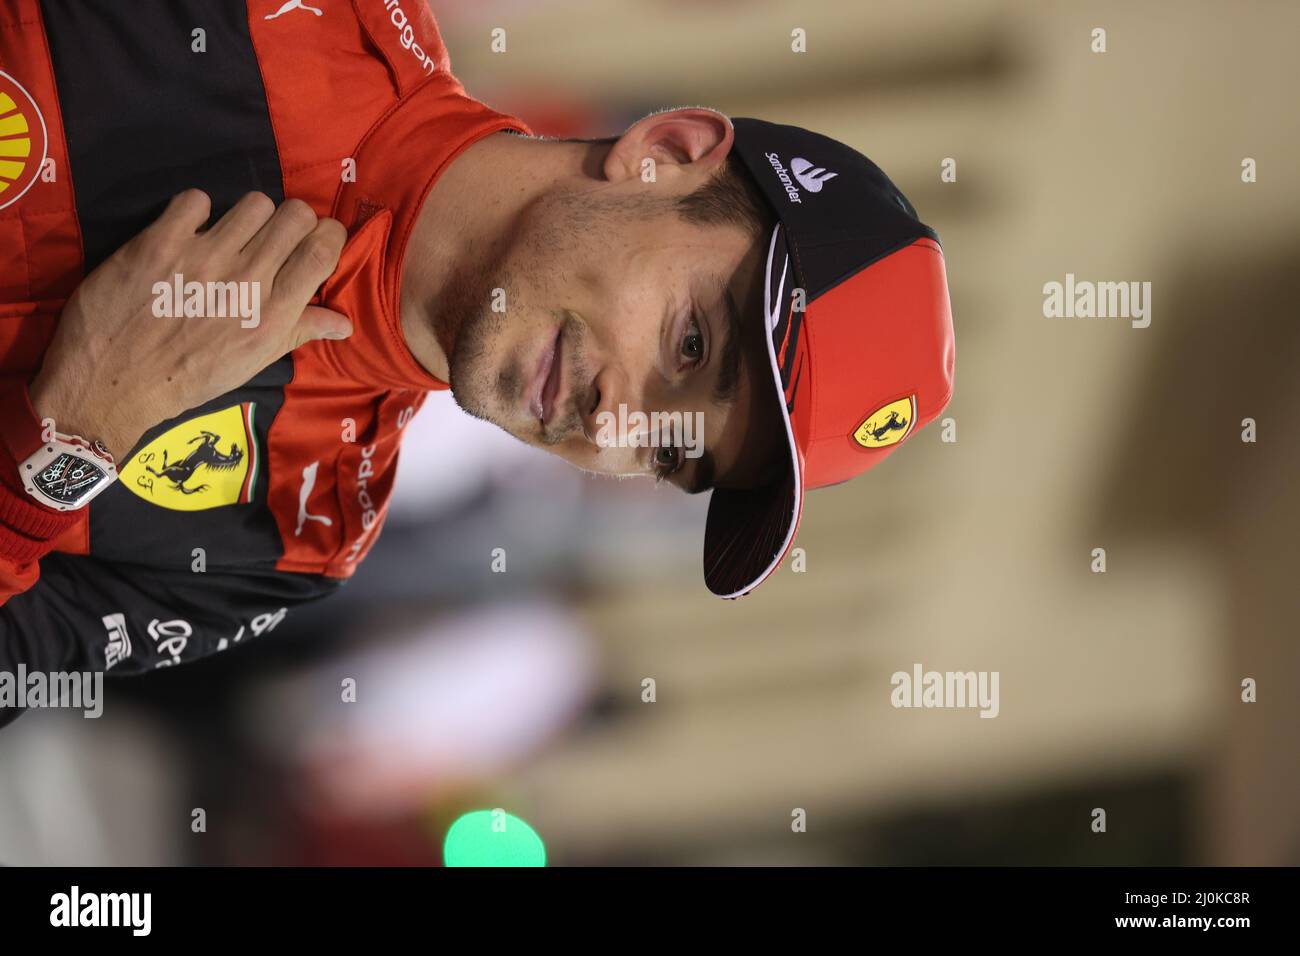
<point>474,402</point>
<point>467,379</point>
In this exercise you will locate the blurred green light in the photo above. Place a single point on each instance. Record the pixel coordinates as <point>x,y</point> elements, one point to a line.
<point>492,838</point>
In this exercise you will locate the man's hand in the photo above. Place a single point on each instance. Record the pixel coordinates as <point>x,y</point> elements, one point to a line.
<point>116,369</point>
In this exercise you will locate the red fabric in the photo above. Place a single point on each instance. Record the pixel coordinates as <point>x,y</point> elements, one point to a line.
<point>371,379</point>
<point>413,119</point>
<point>28,529</point>
<point>866,369</point>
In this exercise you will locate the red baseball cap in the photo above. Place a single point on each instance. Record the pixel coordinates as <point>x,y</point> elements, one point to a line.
<point>860,336</point>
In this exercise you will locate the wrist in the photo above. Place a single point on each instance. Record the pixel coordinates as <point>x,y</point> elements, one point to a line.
<point>57,413</point>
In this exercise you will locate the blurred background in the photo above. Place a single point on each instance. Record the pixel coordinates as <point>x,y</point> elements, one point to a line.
<point>1119,690</point>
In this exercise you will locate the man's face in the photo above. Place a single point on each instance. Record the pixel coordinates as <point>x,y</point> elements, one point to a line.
<point>609,297</point>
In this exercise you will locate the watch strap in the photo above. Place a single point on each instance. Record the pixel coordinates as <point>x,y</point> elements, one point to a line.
<point>28,528</point>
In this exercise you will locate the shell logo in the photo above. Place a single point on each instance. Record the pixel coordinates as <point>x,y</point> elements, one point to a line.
<point>22,140</point>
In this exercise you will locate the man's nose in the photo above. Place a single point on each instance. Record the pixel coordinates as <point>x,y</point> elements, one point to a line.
<point>618,410</point>
<point>598,409</point>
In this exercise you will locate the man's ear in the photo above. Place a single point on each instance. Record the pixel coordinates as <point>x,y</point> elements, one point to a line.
<point>691,141</point>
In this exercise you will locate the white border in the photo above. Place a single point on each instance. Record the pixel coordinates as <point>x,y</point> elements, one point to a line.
<point>770,311</point>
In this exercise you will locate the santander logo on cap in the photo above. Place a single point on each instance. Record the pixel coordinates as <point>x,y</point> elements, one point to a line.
<point>810,177</point>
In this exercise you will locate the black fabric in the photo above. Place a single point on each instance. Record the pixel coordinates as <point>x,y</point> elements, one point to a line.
<point>785,331</point>
<point>145,116</point>
<point>167,616</point>
<point>744,533</point>
<point>858,217</point>
<point>126,527</point>
<point>843,215</point>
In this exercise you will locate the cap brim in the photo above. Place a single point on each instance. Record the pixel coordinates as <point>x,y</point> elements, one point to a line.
<point>749,531</point>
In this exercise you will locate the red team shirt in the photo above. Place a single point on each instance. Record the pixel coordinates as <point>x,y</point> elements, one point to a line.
<point>284,482</point>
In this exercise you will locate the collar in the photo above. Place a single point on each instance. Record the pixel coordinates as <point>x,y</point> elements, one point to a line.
<point>397,164</point>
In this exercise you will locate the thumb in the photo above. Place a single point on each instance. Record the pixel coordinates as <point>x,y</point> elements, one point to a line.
<point>317,323</point>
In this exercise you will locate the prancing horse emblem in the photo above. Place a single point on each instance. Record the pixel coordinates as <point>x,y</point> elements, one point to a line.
<point>887,425</point>
<point>891,424</point>
<point>205,455</point>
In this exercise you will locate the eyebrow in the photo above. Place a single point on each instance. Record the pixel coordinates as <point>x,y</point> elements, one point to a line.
<point>724,386</point>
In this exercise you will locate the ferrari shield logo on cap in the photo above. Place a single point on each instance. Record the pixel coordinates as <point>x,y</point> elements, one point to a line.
<point>887,425</point>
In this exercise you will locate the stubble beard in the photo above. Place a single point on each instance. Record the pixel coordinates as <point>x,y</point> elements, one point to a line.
<point>465,317</point>
<point>475,386</point>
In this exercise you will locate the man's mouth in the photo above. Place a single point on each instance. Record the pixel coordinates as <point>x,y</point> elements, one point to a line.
<point>545,386</point>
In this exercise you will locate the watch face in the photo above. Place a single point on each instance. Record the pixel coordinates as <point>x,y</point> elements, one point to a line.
<point>68,479</point>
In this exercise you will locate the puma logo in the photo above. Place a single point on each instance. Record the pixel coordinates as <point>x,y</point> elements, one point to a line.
<point>308,484</point>
<point>294,5</point>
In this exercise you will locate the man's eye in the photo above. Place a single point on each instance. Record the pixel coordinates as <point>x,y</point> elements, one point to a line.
<point>666,461</point>
<point>693,344</point>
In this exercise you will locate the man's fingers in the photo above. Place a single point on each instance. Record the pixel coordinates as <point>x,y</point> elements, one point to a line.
<point>184,216</point>
<point>318,323</point>
<point>310,264</point>
<point>292,223</point>
<point>243,221</point>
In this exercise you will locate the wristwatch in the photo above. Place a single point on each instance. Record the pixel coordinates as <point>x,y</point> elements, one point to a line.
<point>66,472</point>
